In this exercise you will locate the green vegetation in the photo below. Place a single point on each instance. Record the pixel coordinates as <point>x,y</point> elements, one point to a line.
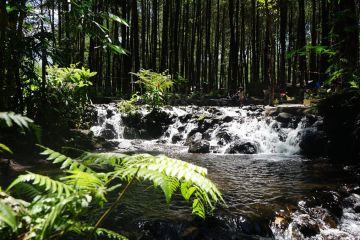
<point>66,97</point>
<point>52,208</point>
<point>155,86</point>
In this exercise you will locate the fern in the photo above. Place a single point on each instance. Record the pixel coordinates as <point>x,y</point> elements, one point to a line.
<point>66,162</point>
<point>88,182</point>
<point>10,118</point>
<point>165,172</point>
<point>49,184</point>
<point>56,205</point>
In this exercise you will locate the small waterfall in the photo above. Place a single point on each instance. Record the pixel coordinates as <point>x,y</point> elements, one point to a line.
<point>222,127</point>
<point>109,122</point>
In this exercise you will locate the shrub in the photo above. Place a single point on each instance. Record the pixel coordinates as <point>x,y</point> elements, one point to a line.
<point>66,97</point>
<point>155,86</point>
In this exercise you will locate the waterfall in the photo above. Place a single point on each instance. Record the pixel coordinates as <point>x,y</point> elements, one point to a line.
<point>222,127</point>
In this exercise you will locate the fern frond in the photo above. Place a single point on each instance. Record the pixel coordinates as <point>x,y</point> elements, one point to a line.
<point>66,162</point>
<point>49,184</point>
<point>113,159</point>
<point>10,118</point>
<point>27,190</point>
<point>50,219</point>
<point>81,228</point>
<point>88,182</point>
<point>102,232</point>
<point>169,173</point>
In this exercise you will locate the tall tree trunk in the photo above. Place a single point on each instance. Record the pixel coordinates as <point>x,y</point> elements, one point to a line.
<point>283,24</point>
<point>215,83</point>
<point>313,67</point>
<point>165,34</point>
<point>233,52</point>
<point>324,60</point>
<point>154,35</point>
<point>301,44</point>
<point>135,36</point>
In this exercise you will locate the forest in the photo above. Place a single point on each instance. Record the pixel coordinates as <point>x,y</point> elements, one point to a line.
<point>101,101</point>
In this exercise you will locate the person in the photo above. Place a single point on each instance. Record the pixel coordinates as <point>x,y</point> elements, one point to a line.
<point>242,98</point>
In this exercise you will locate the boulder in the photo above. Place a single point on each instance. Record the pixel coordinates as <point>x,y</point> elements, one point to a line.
<point>198,144</point>
<point>176,138</point>
<point>131,133</point>
<point>201,146</point>
<point>108,132</point>
<point>284,117</point>
<point>307,226</point>
<point>313,142</point>
<point>224,136</point>
<point>192,137</point>
<point>227,119</point>
<point>242,147</point>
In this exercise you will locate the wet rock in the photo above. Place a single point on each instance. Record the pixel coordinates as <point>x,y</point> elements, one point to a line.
<point>313,142</point>
<point>206,124</point>
<point>241,147</point>
<point>284,118</point>
<point>227,119</point>
<point>176,138</point>
<point>109,113</point>
<point>307,226</point>
<point>329,200</point>
<point>133,120</point>
<point>207,134</point>
<point>156,123</point>
<point>181,129</point>
<point>108,132</point>
<point>235,227</point>
<point>131,133</point>
<point>224,136</point>
<point>357,209</point>
<point>199,145</point>
<point>185,118</point>
<point>193,132</point>
<point>193,137</point>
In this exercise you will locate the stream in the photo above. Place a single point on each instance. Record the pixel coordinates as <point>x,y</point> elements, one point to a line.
<point>257,158</point>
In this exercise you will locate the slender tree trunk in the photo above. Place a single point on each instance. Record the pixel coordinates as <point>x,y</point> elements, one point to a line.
<point>313,67</point>
<point>233,52</point>
<point>301,44</point>
<point>283,24</point>
<point>154,39</point>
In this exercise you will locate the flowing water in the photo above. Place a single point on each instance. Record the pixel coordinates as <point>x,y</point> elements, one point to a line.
<point>276,193</point>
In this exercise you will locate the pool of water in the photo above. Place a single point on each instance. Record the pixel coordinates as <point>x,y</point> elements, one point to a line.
<point>255,188</point>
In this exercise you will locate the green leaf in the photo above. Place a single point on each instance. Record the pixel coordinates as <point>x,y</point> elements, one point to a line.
<point>4,148</point>
<point>117,49</point>
<point>10,9</point>
<point>118,19</point>
<point>8,216</point>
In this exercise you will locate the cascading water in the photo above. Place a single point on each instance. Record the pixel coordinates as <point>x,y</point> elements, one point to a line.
<point>222,127</point>
<point>108,122</point>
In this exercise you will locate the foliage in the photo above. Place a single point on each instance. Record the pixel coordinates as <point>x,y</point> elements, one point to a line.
<point>155,86</point>
<point>129,106</point>
<point>54,206</point>
<point>9,119</point>
<point>66,96</point>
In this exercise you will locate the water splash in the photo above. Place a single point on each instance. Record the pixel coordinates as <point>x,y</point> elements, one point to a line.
<point>221,126</point>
